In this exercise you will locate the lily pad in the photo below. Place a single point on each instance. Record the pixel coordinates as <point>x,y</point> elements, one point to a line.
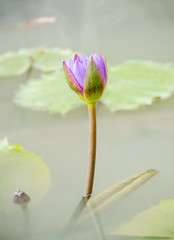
<point>156,222</point>
<point>49,93</point>
<point>42,58</point>
<point>50,59</point>
<point>138,83</point>
<point>14,64</point>
<point>130,85</point>
<point>24,169</point>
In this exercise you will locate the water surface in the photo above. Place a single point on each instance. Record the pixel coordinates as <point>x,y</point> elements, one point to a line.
<point>128,142</point>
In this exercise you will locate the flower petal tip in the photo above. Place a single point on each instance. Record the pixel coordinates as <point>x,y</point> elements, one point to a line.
<point>76,57</point>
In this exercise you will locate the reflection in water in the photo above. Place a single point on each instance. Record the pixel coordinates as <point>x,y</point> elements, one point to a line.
<point>69,223</point>
<point>91,206</point>
<point>27,234</point>
<point>66,228</point>
<point>87,207</point>
<point>110,196</point>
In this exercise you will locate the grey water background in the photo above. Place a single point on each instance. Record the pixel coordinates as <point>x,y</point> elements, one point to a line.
<point>128,142</point>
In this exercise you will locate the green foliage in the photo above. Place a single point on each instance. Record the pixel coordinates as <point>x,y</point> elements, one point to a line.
<point>50,59</point>
<point>50,93</point>
<point>14,64</point>
<point>137,83</point>
<point>24,169</point>
<point>156,222</point>
<point>130,85</point>
<point>44,59</point>
<point>133,84</point>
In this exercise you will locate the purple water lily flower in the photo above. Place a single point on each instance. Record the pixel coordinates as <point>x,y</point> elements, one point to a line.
<point>86,76</point>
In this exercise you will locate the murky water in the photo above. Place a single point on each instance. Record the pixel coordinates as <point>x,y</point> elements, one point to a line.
<point>128,142</point>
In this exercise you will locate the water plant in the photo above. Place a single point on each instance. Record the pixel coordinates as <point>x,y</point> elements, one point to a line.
<point>130,85</point>
<point>88,77</point>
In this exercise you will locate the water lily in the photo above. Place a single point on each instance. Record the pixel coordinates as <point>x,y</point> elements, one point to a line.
<point>87,76</point>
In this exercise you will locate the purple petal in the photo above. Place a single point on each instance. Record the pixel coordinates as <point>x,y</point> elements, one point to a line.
<point>85,61</point>
<point>77,58</point>
<point>93,55</point>
<point>72,81</point>
<point>70,64</point>
<point>79,72</point>
<point>105,71</point>
<point>96,59</point>
<point>102,68</point>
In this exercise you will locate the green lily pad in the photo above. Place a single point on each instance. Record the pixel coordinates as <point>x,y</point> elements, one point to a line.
<point>50,59</point>
<point>156,222</point>
<point>49,93</point>
<point>14,64</point>
<point>130,85</point>
<point>42,58</point>
<point>138,83</point>
<point>24,169</point>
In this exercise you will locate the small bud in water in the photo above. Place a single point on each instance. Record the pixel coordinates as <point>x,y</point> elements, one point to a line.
<point>21,197</point>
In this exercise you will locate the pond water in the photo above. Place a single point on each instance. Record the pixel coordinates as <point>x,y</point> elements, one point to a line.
<point>128,142</point>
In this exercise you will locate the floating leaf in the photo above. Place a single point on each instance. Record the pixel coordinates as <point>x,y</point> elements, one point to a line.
<point>130,85</point>
<point>42,58</point>
<point>156,222</point>
<point>21,168</point>
<point>50,93</point>
<point>14,64</point>
<point>47,59</point>
<point>115,193</point>
<point>50,59</point>
<point>137,83</point>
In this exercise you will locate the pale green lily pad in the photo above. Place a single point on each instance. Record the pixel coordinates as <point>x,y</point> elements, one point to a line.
<point>24,169</point>
<point>156,222</point>
<point>138,83</point>
<point>47,59</point>
<point>42,58</point>
<point>14,64</point>
<point>50,59</point>
<point>130,85</point>
<point>49,93</point>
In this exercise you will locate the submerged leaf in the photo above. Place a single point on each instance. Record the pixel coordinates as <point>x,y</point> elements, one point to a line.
<point>14,64</point>
<point>50,93</point>
<point>121,189</point>
<point>137,83</point>
<point>156,222</point>
<point>21,168</point>
<point>115,193</point>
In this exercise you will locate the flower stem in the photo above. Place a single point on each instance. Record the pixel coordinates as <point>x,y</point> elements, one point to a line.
<point>92,150</point>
